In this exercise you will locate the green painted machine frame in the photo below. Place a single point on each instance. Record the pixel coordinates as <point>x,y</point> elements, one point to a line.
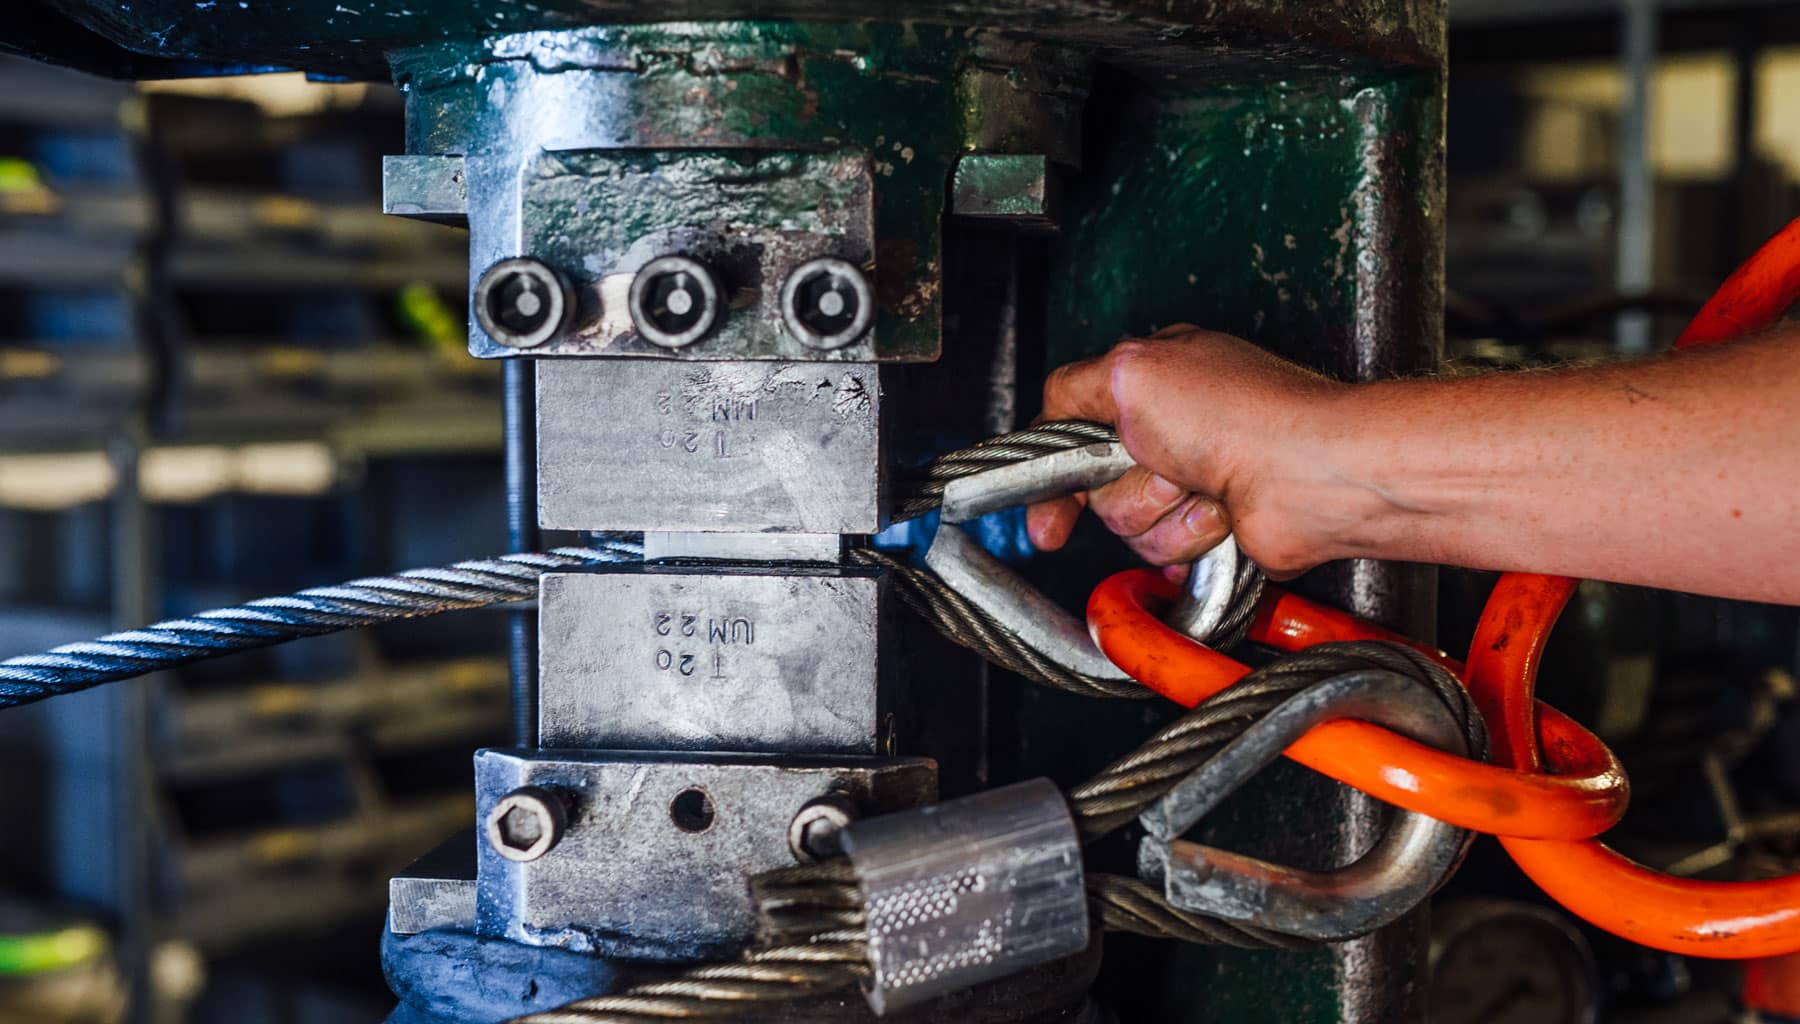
<point>1271,168</point>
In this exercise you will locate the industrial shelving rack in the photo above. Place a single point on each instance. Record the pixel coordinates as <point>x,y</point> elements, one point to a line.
<point>224,373</point>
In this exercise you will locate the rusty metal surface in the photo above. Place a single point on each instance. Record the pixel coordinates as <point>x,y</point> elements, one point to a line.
<point>856,128</point>
<point>749,218</point>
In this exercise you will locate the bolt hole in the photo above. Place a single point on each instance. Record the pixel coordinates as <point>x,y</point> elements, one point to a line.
<point>692,810</point>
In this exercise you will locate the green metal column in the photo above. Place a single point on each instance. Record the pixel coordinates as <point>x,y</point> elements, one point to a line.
<point>1305,215</point>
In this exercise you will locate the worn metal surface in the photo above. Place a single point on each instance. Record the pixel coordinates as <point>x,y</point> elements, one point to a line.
<point>437,890</point>
<point>709,447</point>
<point>1304,215</point>
<point>425,187</point>
<point>1215,587</point>
<point>1020,608</point>
<point>1018,190</point>
<point>1413,857</point>
<point>351,38</point>
<point>647,869</point>
<point>749,218</point>
<point>1045,476</point>
<point>968,890</point>
<point>744,547</point>
<point>869,116</point>
<point>709,658</point>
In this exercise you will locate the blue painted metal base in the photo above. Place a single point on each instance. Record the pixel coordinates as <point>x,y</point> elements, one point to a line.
<point>445,976</point>
<point>455,977</point>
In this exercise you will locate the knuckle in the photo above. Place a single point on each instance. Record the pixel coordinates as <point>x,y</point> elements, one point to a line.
<point>1126,517</point>
<point>1131,350</point>
<point>1058,379</point>
<point>1128,359</point>
<point>1279,557</point>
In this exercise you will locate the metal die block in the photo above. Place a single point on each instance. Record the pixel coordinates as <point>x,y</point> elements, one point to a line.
<point>683,658</point>
<point>425,187</point>
<point>1015,189</point>
<point>713,447</point>
<point>749,219</point>
<point>744,547</point>
<point>437,890</point>
<point>653,862</point>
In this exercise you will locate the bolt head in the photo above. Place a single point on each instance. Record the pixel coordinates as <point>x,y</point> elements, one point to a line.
<point>813,835</point>
<point>522,302</point>
<point>827,303</point>
<point>524,824</point>
<point>675,301</point>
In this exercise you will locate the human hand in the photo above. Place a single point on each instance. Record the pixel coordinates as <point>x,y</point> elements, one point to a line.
<point>1227,437</point>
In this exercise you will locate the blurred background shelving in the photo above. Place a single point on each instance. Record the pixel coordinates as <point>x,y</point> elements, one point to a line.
<point>224,373</point>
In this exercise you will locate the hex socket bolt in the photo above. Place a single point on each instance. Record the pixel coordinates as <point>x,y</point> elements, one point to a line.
<point>827,303</point>
<point>675,301</point>
<point>522,302</point>
<point>524,824</point>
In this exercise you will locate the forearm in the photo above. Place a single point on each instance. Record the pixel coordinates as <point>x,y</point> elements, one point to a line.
<point>1679,472</point>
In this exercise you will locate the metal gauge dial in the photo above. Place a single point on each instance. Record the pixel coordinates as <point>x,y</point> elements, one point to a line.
<point>1495,962</point>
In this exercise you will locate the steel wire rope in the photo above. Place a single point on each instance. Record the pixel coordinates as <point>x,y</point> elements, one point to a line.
<point>312,612</point>
<point>813,922</point>
<point>479,583</point>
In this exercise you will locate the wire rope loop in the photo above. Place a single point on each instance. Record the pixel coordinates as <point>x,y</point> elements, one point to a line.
<point>1053,460</point>
<point>1414,856</point>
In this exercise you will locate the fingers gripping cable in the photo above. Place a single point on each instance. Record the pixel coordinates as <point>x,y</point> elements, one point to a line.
<point>998,619</point>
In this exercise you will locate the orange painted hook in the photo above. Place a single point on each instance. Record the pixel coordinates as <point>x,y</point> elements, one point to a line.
<point>1585,798</point>
<point>1729,920</point>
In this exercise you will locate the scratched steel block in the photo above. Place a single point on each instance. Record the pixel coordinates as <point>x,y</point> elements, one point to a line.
<point>751,218</point>
<point>673,658</point>
<point>709,447</point>
<point>653,859</point>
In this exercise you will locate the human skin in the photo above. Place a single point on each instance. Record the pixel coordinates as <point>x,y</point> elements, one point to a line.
<point>1680,471</point>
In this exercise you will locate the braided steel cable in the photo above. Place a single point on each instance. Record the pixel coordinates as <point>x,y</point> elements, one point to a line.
<point>813,920</point>
<point>967,625</point>
<point>1122,790</point>
<point>1121,903</point>
<point>925,490</point>
<point>807,899</point>
<point>474,584</point>
<point>813,943</point>
<point>273,620</point>
<point>760,979</point>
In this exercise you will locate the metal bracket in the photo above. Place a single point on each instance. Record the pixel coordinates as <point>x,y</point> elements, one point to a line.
<point>968,891</point>
<point>1411,860</point>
